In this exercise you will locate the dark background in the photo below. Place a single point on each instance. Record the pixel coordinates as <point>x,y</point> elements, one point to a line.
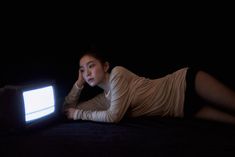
<point>149,41</point>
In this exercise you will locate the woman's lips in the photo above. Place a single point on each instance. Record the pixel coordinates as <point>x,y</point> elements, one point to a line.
<point>90,80</point>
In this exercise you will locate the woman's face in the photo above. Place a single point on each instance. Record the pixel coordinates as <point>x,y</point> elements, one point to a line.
<point>93,71</point>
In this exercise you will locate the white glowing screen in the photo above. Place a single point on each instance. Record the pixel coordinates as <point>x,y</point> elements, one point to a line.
<point>38,103</point>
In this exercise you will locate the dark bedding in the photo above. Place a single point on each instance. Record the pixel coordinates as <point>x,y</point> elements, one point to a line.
<point>152,136</point>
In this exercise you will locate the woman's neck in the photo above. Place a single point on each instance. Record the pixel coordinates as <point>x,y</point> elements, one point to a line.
<point>105,84</point>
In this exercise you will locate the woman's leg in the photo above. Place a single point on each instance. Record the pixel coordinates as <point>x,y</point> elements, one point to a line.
<point>216,93</point>
<point>210,113</point>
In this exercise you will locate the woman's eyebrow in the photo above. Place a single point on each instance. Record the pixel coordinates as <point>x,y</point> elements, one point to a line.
<point>86,64</point>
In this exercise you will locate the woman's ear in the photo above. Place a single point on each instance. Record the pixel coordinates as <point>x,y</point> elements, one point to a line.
<point>106,66</point>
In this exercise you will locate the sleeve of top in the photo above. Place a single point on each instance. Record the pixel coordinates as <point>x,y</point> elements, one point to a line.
<point>71,99</point>
<point>118,105</point>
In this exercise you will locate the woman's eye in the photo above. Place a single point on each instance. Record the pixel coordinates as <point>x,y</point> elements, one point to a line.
<point>92,65</point>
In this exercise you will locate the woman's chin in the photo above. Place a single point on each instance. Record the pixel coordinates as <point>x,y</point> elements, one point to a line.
<point>92,84</point>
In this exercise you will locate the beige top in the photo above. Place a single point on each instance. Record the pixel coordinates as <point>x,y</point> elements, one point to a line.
<point>133,96</point>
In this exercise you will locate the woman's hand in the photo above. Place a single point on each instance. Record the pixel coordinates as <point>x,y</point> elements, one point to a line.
<point>80,81</point>
<point>69,112</point>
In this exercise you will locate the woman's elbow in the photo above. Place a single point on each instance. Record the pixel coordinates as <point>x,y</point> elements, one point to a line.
<point>114,119</point>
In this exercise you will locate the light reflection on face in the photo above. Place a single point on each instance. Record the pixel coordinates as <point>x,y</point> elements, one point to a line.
<point>92,70</point>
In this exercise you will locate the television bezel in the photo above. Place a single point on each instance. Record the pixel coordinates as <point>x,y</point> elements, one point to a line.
<point>47,119</point>
<point>14,119</point>
<point>38,86</point>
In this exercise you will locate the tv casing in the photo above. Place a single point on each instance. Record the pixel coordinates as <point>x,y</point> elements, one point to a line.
<point>12,111</point>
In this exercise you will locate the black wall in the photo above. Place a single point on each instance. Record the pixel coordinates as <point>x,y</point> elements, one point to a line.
<point>149,44</point>
<point>149,57</point>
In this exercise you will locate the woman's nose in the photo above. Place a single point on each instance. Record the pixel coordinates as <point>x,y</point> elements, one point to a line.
<point>88,72</point>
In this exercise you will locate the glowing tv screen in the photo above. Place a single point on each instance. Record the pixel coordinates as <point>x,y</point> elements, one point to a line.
<point>38,103</point>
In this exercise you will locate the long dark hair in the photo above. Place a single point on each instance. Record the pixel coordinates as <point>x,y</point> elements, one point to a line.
<point>98,53</point>
<point>101,55</point>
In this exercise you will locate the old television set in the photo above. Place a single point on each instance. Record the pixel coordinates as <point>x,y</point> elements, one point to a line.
<point>28,106</point>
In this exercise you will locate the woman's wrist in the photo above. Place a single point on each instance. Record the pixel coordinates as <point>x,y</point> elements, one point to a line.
<point>79,86</point>
<point>75,114</point>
